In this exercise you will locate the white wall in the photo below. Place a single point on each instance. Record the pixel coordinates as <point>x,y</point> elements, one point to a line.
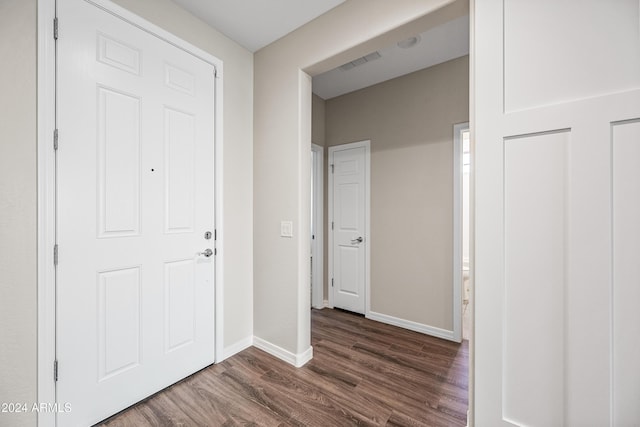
<point>18,208</point>
<point>238,155</point>
<point>281,267</point>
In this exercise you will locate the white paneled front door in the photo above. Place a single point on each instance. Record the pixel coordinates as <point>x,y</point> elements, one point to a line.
<point>135,299</point>
<point>348,224</point>
<point>557,143</point>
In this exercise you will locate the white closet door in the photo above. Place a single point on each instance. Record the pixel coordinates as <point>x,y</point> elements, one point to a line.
<point>348,214</point>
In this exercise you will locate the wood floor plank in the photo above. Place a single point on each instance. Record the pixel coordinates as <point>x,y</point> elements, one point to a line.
<point>328,404</point>
<point>363,373</point>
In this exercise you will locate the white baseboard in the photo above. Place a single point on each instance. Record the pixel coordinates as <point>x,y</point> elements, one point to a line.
<point>304,357</point>
<point>325,304</point>
<point>412,326</point>
<point>236,348</point>
<point>296,360</point>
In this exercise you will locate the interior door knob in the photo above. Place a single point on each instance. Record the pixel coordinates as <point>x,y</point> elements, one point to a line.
<point>207,252</point>
<point>358,240</point>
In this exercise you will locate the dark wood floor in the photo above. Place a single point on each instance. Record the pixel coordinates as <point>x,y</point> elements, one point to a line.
<point>362,373</point>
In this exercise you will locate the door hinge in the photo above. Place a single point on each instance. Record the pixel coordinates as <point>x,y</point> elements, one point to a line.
<point>55,139</point>
<point>215,234</point>
<point>55,254</point>
<point>55,370</point>
<point>332,282</point>
<point>331,168</point>
<point>332,225</point>
<point>55,28</point>
<point>215,251</point>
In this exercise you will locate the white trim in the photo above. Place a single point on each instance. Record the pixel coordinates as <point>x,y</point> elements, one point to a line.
<point>46,391</point>
<point>330,229</point>
<point>325,304</point>
<point>317,244</point>
<point>457,229</point>
<point>412,326</point>
<point>304,357</point>
<point>367,220</point>
<point>297,360</point>
<point>46,188</point>
<point>236,348</point>
<point>219,214</point>
<point>472,126</point>
<point>367,206</point>
<point>303,312</point>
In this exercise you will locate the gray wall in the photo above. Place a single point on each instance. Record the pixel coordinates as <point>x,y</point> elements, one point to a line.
<point>18,191</point>
<point>317,120</point>
<point>409,121</point>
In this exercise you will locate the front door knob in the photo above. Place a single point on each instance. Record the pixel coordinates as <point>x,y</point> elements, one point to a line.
<point>207,252</point>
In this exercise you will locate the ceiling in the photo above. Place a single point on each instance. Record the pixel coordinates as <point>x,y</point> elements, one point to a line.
<point>257,23</point>
<point>442,43</point>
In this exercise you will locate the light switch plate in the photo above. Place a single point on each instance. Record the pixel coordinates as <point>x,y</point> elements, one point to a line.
<point>286,228</point>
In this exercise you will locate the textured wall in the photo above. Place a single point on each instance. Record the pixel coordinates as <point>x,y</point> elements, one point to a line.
<point>18,209</point>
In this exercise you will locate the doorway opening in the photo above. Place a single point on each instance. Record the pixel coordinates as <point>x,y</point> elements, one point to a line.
<point>413,184</point>
<point>408,120</point>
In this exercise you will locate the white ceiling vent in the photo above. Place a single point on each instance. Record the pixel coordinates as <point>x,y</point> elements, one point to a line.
<point>363,60</point>
<point>410,42</point>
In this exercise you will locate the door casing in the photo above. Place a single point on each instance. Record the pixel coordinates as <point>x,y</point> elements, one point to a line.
<point>457,229</point>
<point>317,244</point>
<point>46,191</point>
<point>367,207</point>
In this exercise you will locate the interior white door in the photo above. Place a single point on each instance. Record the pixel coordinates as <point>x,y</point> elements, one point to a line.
<point>348,218</point>
<point>557,131</point>
<point>135,299</point>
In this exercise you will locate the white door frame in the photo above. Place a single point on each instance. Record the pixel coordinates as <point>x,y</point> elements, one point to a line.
<point>46,222</point>
<point>317,244</point>
<point>367,219</point>
<point>457,229</point>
